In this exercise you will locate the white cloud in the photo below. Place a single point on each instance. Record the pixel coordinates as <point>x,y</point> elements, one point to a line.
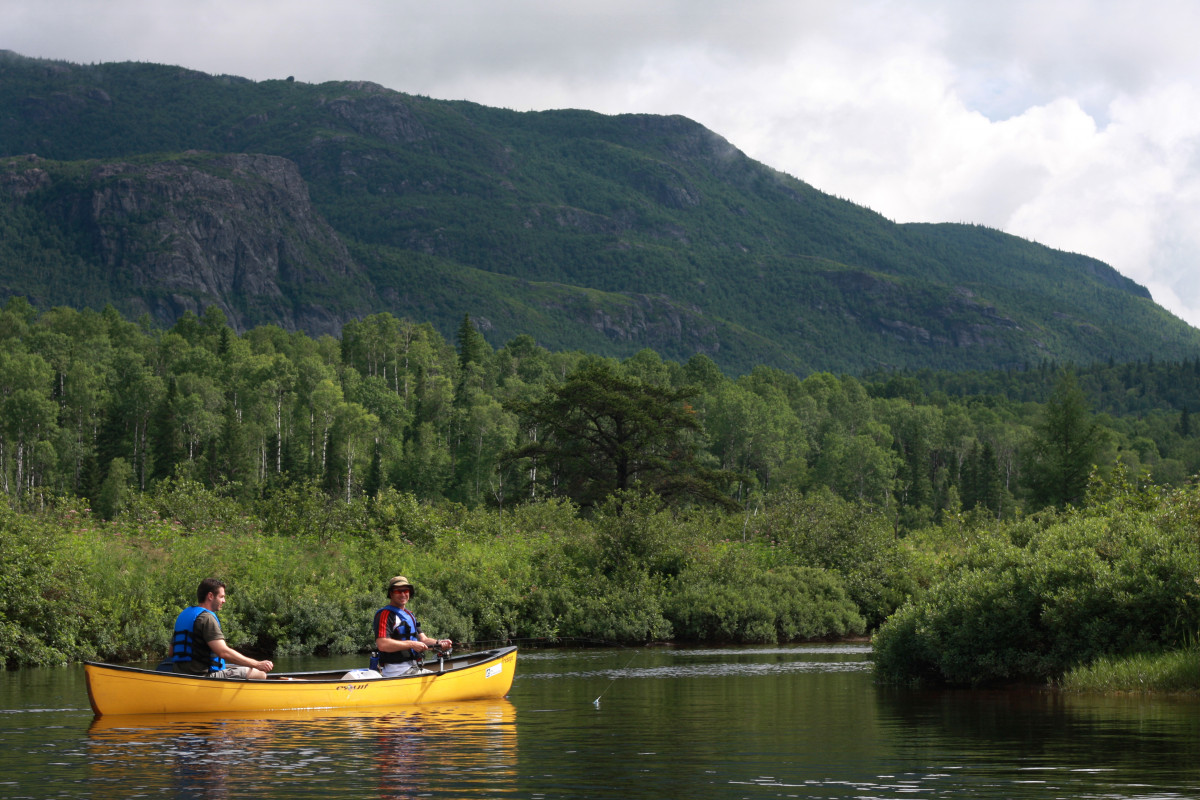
<point>1134,197</point>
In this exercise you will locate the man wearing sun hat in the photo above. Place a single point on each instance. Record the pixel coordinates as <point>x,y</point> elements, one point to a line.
<point>398,636</point>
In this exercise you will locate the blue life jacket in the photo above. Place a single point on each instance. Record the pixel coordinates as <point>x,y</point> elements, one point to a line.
<point>185,646</point>
<point>406,631</point>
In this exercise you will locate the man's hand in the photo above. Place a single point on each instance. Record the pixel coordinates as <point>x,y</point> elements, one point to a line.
<point>223,650</point>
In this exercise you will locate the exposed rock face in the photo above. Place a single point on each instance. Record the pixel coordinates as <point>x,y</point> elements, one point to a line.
<point>22,177</point>
<point>380,113</point>
<point>957,319</point>
<point>234,231</point>
<point>648,318</point>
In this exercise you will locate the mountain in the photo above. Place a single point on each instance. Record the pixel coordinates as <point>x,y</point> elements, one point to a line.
<point>163,190</point>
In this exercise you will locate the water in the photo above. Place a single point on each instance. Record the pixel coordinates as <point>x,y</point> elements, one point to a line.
<point>777,722</point>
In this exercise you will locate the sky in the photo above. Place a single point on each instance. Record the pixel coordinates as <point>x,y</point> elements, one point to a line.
<point>1074,123</point>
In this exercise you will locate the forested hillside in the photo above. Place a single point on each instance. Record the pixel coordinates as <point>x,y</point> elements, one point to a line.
<point>163,191</point>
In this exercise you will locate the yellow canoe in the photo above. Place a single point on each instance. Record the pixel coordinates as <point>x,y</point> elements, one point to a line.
<point>441,718</point>
<point>129,690</point>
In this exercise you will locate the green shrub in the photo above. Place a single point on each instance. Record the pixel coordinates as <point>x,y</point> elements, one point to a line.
<point>1119,579</point>
<point>974,626</point>
<point>823,530</point>
<point>787,604</point>
<point>626,606</point>
<point>46,594</point>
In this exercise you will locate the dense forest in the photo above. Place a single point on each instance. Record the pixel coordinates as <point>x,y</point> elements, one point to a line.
<point>100,407</point>
<point>986,527</point>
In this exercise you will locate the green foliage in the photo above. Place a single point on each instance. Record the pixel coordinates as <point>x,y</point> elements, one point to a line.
<point>189,507</point>
<point>295,598</point>
<point>1065,447</point>
<point>80,587</point>
<point>101,408</point>
<point>634,532</point>
<point>1019,601</point>
<point>472,347</point>
<point>395,518</point>
<point>722,600</point>
<point>115,491</point>
<point>606,430</point>
<point>44,614</point>
<point>278,461</point>
<point>130,614</point>
<point>1116,579</point>
<point>302,511</point>
<point>624,607</point>
<point>823,530</point>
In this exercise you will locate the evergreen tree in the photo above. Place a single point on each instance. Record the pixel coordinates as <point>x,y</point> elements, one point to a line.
<point>989,489</point>
<point>1065,445</point>
<point>472,347</point>
<point>374,480</point>
<point>166,436</point>
<point>114,492</point>
<point>232,454</point>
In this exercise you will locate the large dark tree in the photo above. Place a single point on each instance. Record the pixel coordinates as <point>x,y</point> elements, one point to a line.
<point>603,431</point>
<point>472,347</point>
<point>1065,447</point>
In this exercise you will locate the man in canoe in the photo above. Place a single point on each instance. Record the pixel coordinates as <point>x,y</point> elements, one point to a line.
<point>198,645</point>
<point>398,636</point>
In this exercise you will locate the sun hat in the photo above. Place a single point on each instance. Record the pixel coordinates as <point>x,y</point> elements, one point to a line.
<point>400,580</point>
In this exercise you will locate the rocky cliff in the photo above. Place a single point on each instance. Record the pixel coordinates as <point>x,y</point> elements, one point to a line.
<point>234,231</point>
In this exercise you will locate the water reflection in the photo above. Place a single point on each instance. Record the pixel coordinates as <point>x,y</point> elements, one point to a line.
<point>695,723</point>
<point>809,723</point>
<point>684,663</point>
<point>391,755</point>
<point>1042,743</point>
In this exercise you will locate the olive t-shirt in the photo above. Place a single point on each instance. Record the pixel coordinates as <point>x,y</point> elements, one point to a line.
<point>205,629</point>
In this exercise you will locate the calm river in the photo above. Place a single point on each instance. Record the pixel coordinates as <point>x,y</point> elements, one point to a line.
<point>767,722</point>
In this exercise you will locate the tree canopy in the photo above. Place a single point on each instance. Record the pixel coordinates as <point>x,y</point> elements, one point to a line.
<point>603,432</point>
<point>95,405</point>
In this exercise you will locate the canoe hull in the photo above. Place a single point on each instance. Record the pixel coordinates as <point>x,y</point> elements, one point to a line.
<point>127,690</point>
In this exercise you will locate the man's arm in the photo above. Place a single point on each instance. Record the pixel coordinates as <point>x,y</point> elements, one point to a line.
<point>440,644</point>
<point>222,650</point>
<point>385,645</point>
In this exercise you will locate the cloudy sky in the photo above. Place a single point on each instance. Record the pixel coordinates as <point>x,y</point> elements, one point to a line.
<point>1075,123</point>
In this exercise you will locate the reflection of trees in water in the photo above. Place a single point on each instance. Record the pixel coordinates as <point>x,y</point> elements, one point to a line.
<point>387,754</point>
<point>1042,724</point>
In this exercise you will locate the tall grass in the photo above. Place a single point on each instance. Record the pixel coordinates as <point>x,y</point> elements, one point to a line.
<point>1176,671</point>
